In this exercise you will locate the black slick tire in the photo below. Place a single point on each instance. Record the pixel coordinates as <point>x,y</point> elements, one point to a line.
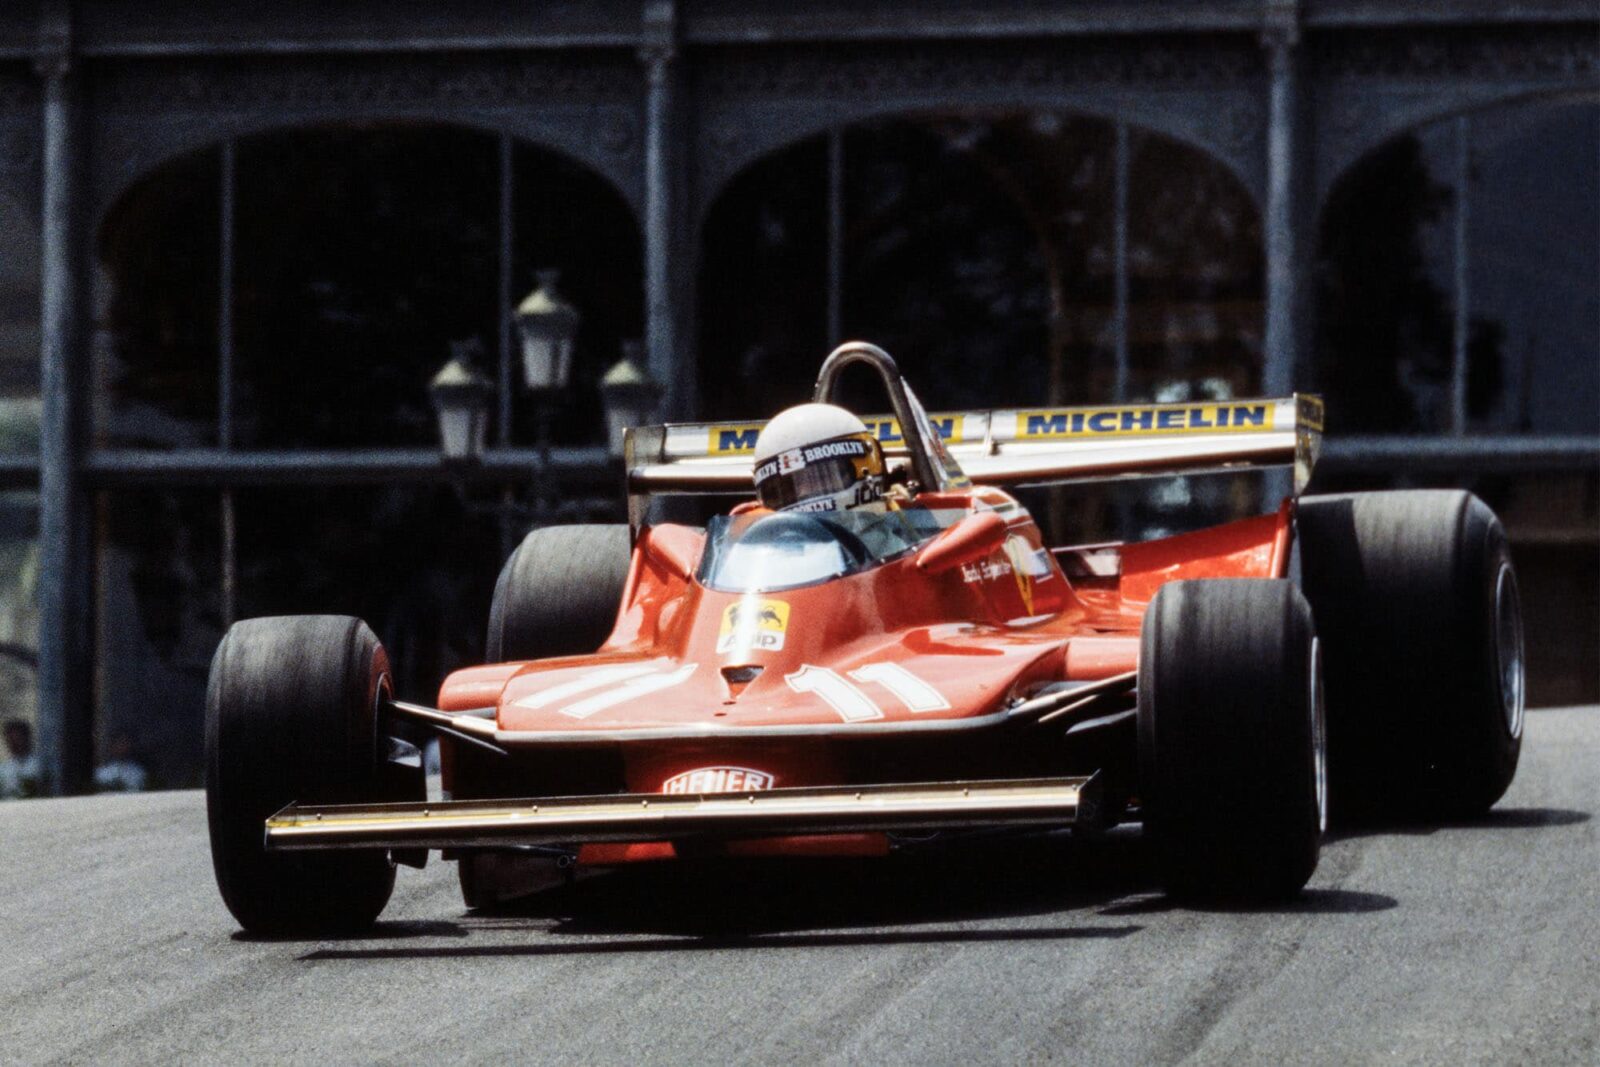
<point>558,593</point>
<point>1416,601</point>
<point>292,716</point>
<point>1230,739</point>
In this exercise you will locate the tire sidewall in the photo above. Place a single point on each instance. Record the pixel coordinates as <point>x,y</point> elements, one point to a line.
<point>1228,735</point>
<point>287,723</point>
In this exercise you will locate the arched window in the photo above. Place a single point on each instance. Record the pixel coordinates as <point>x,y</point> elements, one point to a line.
<point>361,257</point>
<point>1005,258</point>
<point>1459,278</point>
<point>1458,295</point>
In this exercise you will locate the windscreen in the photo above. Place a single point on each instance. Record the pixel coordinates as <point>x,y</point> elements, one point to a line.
<point>763,552</point>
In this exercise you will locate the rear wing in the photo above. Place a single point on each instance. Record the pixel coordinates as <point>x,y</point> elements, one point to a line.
<point>1020,446</point>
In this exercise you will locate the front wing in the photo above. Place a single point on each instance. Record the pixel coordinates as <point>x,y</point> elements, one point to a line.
<point>1035,802</point>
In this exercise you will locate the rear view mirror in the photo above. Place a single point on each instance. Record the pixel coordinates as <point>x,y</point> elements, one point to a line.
<point>968,541</point>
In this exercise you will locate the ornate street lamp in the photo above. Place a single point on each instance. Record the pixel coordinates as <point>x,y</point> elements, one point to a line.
<point>629,395</point>
<point>461,398</point>
<point>549,326</point>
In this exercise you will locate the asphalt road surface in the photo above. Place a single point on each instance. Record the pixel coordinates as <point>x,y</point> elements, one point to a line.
<point>1471,943</point>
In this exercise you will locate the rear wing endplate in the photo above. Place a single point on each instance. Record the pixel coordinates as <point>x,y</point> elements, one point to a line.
<point>1020,446</point>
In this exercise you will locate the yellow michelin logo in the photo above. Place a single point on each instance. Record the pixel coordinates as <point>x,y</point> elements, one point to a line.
<point>1134,421</point>
<point>753,624</point>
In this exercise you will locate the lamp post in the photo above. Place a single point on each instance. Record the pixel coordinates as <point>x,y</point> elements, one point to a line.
<point>629,395</point>
<point>461,398</point>
<point>549,326</point>
<point>549,329</point>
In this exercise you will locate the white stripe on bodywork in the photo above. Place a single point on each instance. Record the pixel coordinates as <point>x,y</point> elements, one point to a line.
<point>851,703</point>
<point>594,679</point>
<point>631,689</point>
<point>913,692</point>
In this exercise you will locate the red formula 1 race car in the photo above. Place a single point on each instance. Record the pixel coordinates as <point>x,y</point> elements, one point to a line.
<point>825,682</point>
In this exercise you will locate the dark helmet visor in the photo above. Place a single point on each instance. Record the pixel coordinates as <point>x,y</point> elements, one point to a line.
<point>778,491</point>
<point>820,470</point>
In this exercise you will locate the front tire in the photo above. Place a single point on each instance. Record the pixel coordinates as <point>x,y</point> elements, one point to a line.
<point>292,717</point>
<point>1231,755</point>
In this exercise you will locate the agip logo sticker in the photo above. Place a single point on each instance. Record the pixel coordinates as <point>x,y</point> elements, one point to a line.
<point>753,624</point>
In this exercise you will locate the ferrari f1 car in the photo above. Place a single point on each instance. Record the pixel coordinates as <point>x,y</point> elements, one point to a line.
<point>806,683</point>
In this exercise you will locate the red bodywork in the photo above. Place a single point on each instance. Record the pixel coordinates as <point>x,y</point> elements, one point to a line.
<point>891,645</point>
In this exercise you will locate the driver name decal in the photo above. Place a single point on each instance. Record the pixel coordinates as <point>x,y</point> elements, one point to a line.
<point>986,570</point>
<point>753,624</point>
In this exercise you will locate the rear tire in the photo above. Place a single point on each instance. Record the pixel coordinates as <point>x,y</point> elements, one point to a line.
<point>292,717</point>
<point>1416,601</point>
<point>558,593</point>
<point>1230,739</point>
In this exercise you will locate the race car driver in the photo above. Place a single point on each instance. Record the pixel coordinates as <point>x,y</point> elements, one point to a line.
<point>819,457</point>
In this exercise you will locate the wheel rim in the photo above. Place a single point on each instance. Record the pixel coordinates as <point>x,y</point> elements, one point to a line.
<point>1508,649</point>
<point>1319,736</point>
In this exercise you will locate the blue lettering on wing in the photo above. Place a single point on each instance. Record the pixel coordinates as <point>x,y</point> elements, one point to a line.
<point>1137,420</point>
<point>742,440</point>
<point>1043,426</point>
<point>1249,414</point>
<point>1103,422</point>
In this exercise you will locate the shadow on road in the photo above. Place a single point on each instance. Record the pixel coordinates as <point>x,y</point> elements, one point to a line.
<point>1521,818</point>
<point>714,943</point>
<point>837,903</point>
<point>384,931</point>
<point>951,884</point>
<point>1494,819</point>
<point>1309,902</point>
<point>849,902</point>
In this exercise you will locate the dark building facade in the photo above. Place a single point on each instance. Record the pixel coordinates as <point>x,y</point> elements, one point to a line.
<point>235,243</point>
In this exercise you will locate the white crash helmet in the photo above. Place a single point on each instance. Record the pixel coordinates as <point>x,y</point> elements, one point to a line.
<point>818,457</point>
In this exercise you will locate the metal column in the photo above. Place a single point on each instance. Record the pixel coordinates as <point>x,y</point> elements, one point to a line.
<point>1284,314</point>
<point>66,713</point>
<point>504,348</point>
<point>662,281</point>
<point>225,434</point>
<point>1120,326</point>
<point>1282,250</point>
<point>835,236</point>
<point>1461,326</point>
